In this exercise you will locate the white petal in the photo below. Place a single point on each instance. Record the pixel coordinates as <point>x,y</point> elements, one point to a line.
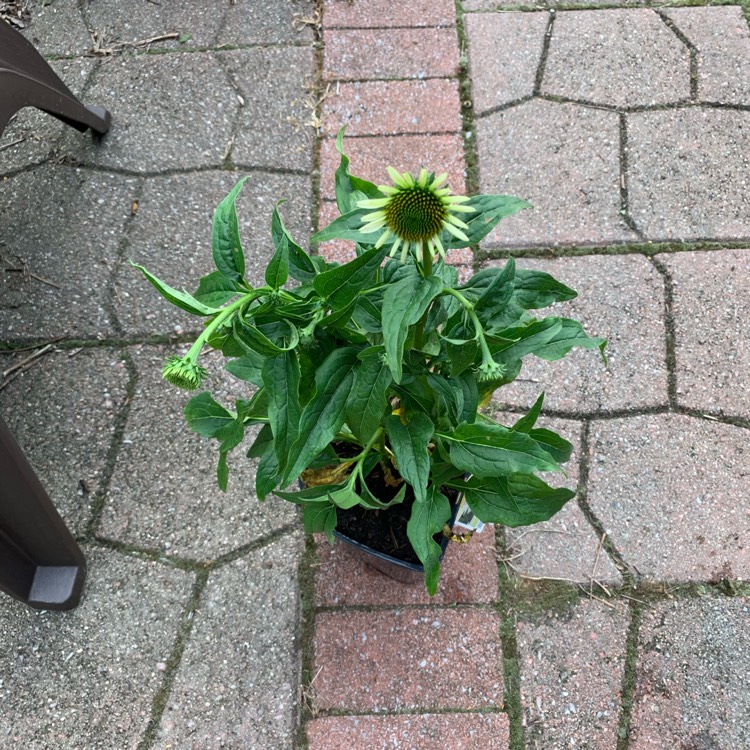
<point>456,232</point>
<point>373,203</point>
<point>457,199</point>
<point>440,179</point>
<point>374,216</point>
<point>388,189</point>
<point>423,174</point>
<point>394,174</point>
<point>462,209</point>
<point>383,237</point>
<point>455,221</point>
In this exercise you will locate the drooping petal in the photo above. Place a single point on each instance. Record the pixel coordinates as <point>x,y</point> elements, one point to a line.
<point>439,180</point>
<point>456,232</point>
<point>456,221</point>
<point>373,203</point>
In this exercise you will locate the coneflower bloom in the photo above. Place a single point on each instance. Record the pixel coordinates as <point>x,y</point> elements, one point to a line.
<point>414,213</point>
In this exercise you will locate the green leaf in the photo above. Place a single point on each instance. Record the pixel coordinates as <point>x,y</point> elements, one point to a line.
<point>404,303</point>
<point>317,495</point>
<point>205,416</point>
<point>515,343</point>
<point>301,266</point>
<point>277,270</point>
<point>249,367</point>
<point>489,450</point>
<point>225,236</point>
<point>262,443</point>
<point>183,300</point>
<point>428,517</point>
<point>450,395</point>
<point>470,390</point>
<point>495,297</point>
<point>346,184</point>
<point>461,353</point>
<point>527,422</point>
<point>322,417</point>
<point>556,446</point>
<point>537,289</point>
<point>346,227</point>
<point>368,500</point>
<point>571,334</point>
<point>216,290</point>
<point>409,443</point>
<point>320,518</point>
<point>266,475</point>
<point>490,209</point>
<point>231,435</point>
<point>255,341</point>
<point>222,472</point>
<point>281,377</point>
<point>367,401</point>
<point>515,500</point>
<point>341,285</point>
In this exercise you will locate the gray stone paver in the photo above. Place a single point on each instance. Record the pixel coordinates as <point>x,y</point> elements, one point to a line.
<point>171,236</point>
<point>237,685</point>
<point>621,299</point>
<point>502,73</point>
<point>691,681</point>
<point>565,160</point>
<point>62,412</point>
<point>565,548</point>
<point>275,115</point>
<point>619,57</point>
<point>688,173</point>
<point>58,28</point>
<point>171,503</point>
<point>710,296</point>
<point>268,22</point>
<point>87,678</point>
<point>669,491</point>
<point>116,23</point>
<point>722,38</point>
<point>171,112</point>
<point>65,225</point>
<point>571,672</point>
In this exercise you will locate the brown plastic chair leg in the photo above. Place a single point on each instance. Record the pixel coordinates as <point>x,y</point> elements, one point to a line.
<point>26,80</point>
<point>40,562</point>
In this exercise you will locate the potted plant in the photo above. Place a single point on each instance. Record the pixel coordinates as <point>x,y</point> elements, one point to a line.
<point>368,378</point>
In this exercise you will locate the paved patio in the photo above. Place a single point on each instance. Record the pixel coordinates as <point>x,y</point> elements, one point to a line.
<point>208,620</point>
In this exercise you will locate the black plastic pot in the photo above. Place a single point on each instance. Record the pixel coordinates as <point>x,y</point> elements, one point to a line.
<point>400,570</point>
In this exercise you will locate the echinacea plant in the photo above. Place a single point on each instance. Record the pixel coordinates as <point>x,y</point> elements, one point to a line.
<point>385,361</point>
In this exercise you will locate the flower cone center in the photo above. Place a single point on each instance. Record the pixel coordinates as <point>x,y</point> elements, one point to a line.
<point>415,214</point>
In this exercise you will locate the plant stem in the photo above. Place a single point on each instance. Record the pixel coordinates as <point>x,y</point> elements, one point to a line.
<point>478,329</point>
<point>426,273</point>
<point>223,314</point>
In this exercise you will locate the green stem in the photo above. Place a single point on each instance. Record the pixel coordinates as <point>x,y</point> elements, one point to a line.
<point>225,312</point>
<point>426,273</point>
<point>469,307</point>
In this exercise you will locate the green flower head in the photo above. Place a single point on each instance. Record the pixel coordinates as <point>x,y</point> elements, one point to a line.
<point>184,373</point>
<point>489,371</point>
<point>414,213</point>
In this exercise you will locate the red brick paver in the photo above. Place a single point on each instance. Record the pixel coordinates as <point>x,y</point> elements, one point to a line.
<point>384,14</point>
<point>413,658</point>
<point>415,732</point>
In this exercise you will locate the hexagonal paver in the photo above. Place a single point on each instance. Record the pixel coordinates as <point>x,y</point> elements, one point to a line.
<point>619,57</point>
<point>571,672</point>
<point>88,678</point>
<point>710,296</point>
<point>163,494</point>
<point>503,71</point>
<point>62,411</point>
<point>171,236</point>
<point>687,173</point>
<point>172,111</point>
<point>691,680</point>
<point>268,22</point>
<point>275,116</point>
<point>621,298</point>
<point>566,547</point>
<point>196,22</point>
<point>58,28</point>
<point>62,227</point>
<point>565,160</point>
<point>32,135</point>
<point>722,38</point>
<point>668,489</point>
<point>237,684</point>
